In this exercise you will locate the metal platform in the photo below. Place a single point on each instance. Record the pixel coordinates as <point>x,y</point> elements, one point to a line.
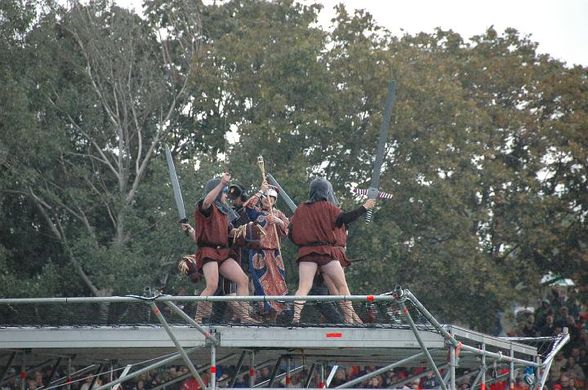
<point>384,345</point>
<point>345,345</point>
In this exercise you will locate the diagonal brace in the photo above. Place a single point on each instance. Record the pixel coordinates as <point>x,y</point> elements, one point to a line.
<point>183,353</point>
<point>422,344</point>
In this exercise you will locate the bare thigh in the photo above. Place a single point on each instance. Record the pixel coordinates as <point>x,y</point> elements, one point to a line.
<point>330,285</point>
<point>306,272</point>
<point>333,272</point>
<point>210,271</point>
<point>231,270</point>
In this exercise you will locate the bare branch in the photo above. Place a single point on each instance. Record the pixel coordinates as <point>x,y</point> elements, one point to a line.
<point>90,139</point>
<point>59,234</point>
<point>43,207</point>
<point>77,266</point>
<point>94,82</point>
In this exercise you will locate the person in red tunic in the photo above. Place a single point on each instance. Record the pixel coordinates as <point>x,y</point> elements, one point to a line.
<point>319,229</point>
<point>212,230</point>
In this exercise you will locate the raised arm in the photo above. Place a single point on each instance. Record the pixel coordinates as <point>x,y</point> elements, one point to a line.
<point>212,195</point>
<point>345,218</point>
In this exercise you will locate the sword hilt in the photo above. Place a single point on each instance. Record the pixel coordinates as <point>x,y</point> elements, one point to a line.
<point>184,220</point>
<point>372,194</point>
<point>368,216</point>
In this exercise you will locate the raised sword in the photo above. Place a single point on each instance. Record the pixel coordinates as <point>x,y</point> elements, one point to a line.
<point>282,192</point>
<point>175,186</point>
<point>373,192</point>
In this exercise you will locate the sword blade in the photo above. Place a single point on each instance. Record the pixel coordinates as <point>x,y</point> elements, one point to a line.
<point>175,185</point>
<point>375,183</point>
<point>373,190</point>
<point>283,193</point>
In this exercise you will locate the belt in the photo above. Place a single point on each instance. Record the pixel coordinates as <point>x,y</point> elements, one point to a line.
<point>214,246</point>
<point>322,243</point>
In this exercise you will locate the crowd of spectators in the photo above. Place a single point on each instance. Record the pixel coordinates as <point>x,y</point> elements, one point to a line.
<point>179,378</point>
<point>561,309</point>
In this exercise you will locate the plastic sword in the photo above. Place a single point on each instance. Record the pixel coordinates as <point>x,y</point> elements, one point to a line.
<point>373,191</point>
<point>175,185</point>
<point>283,193</point>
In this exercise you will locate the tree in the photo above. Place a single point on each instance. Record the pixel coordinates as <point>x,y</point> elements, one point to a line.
<point>106,90</point>
<point>464,203</point>
<point>486,155</point>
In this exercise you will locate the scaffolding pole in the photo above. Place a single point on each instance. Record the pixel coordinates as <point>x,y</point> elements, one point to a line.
<point>252,369</point>
<point>422,344</point>
<point>186,376</point>
<point>200,298</point>
<point>310,374</point>
<point>191,321</point>
<point>546,366</point>
<point>275,371</point>
<point>238,369</point>
<point>213,367</point>
<point>331,375</point>
<point>380,371</point>
<point>451,339</point>
<point>7,367</point>
<point>452,366</point>
<point>143,370</point>
<point>171,335</point>
<point>414,377</point>
<point>280,376</point>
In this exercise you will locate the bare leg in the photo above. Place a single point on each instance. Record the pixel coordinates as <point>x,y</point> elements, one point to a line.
<point>235,307</point>
<point>344,305</point>
<point>330,285</point>
<point>335,279</point>
<point>306,272</point>
<point>231,270</point>
<point>210,271</point>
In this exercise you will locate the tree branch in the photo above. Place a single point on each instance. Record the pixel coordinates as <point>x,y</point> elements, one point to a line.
<point>59,234</point>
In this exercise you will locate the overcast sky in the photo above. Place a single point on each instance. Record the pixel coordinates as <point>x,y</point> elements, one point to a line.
<point>559,26</point>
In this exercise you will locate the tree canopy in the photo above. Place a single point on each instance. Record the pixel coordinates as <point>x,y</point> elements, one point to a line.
<point>486,156</point>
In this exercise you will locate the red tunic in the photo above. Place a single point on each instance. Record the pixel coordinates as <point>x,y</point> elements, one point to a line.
<point>314,224</point>
<point>212,235</point>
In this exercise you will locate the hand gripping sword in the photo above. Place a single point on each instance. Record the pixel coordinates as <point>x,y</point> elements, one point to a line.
<point>175,185</point>
<point>373,191</point>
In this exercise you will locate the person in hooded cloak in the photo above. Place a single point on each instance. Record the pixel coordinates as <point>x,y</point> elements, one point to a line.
<point>319,229</point>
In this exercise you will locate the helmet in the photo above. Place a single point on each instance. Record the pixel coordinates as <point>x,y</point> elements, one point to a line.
<point>271,191</point>
<point>237,190</point>
<point>321,189</point>
<point>210,185</point>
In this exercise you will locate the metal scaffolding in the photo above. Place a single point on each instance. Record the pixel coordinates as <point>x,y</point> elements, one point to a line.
<point>400,342</point>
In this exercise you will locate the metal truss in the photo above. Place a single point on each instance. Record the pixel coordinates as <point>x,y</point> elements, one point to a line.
<point>140,349</point>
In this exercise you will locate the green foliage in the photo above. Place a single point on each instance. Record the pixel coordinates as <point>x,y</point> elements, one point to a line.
<point>486,157</point>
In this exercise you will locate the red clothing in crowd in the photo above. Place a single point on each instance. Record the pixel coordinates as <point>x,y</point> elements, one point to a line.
<point>192,384</point>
